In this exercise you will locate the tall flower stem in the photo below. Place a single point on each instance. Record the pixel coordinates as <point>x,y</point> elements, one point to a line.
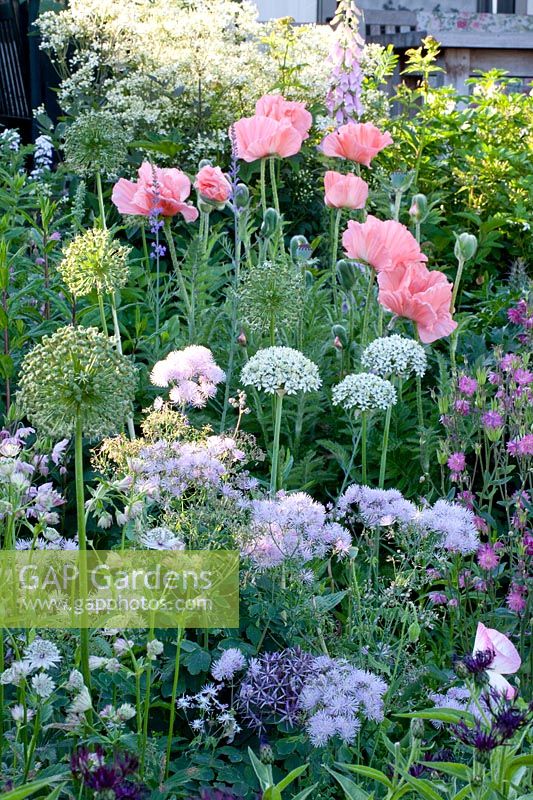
<point>384,448</point>
<point>80,512</point>
<point>146,710</point>
<point>101,200</point>
<point>262,184</point>
<point>173,696</point>
<point>364,431</point>
<point>334,251</point>
<point>181,281</point>
<point>458,276</point>
<point>234,309</point>
<point>420,410</point>
<point>278,407</point>
<point>118,345</point>
<point>273,182</point>
<point>368,300</point>
<point>102,314</point>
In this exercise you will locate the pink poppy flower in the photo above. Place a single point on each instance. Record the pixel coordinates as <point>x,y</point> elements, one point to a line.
<point>259,137</point>
<point>344,191</point>
<point>276,107</point>
<point>162,191</point>
<point>506,658</point>
<point>213,184</point>
<point>384,245</point>
<point>356,141</point>
<point>424,296</point>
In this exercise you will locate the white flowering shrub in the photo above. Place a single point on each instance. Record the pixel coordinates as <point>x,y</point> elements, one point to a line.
<point>159,64</point>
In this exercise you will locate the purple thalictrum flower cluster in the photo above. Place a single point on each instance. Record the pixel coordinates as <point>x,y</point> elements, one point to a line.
<point>292,527</point>
<point>453,523</point>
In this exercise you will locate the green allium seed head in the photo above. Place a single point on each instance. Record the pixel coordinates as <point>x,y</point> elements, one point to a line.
<point>94,261</point>
<point>96,142</point>
<point>77,372</point>
<point>271,295</point>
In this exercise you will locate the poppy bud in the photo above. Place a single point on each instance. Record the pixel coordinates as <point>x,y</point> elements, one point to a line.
<point>419,207</point>
<point>241,196</point>
<point>339,335</point>
<point>297,244</point>
<point>465,247</point>
<point>241,339</point>
<point>270,223</point>
<point>346,272</point>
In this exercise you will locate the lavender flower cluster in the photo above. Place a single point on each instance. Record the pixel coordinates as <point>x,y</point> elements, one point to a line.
<point>453,523</point>
<point>292,527</point>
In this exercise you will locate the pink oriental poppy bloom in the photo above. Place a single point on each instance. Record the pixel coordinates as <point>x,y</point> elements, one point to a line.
<point>158,191</point>
<point>344,191</point>
<point>356,141</point>
<point>424,296</point>
<point>212,184</point>
<point>276,107</point>
<point>384,245</point>
<point>260,137</point>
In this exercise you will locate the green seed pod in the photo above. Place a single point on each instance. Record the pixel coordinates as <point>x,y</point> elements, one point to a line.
<point>465,247</point>
<point>417,728</point>
<point>414,632</point>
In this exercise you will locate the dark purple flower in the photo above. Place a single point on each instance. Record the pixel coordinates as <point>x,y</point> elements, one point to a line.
<point>479,662</point>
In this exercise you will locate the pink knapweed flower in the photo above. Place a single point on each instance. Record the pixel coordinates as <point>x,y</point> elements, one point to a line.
<point>158,191</point>
<point>506,659</point>
<point>487,557</point>
<point>356,141</point>
<point>344,191</point>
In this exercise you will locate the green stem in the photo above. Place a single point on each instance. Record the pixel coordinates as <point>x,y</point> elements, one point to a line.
<point>80,512</point>
<point>364,431</point>
<point>146,711</point>
<point>334,251</point>
<point>33,744</point>
<point>420,410</point>
<point>181,281</point>
<point>460,265</point>
<point>275,445</point>
<point>262,184</point>
<point>173,700</point>
<point>102,314</point>
<point>368,300</point>
<point>101,200</point>
<point>118,345</point>
<point>384,447</point>
<point>273,182</point>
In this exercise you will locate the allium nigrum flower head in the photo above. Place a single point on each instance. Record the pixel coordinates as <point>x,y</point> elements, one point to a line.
<point>364,392</point>
<point>94,261</point>
<point>96,142</point>
<point>281,370</point>
<point>76,373</point>
<point>394,355</point>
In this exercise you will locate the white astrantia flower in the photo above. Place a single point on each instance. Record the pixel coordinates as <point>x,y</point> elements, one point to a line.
<point>41,654</point>
<point>281,370</point>
<point>43,685</point>
<point>17,713</point>
<point>394,355</point>
<point>364,392</point>
<point>15,673</point>
<point>154,648</point>
<point>161,538</point>
<point>97,662</point>
<point>75,681</point>
<point>125,711</point>
<point>82,702</point>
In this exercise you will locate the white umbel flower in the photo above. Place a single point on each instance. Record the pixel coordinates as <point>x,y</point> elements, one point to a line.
<point>364,392</point>
<point>394,355</point>
<point>43,685</point>
<point>281,370</point>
